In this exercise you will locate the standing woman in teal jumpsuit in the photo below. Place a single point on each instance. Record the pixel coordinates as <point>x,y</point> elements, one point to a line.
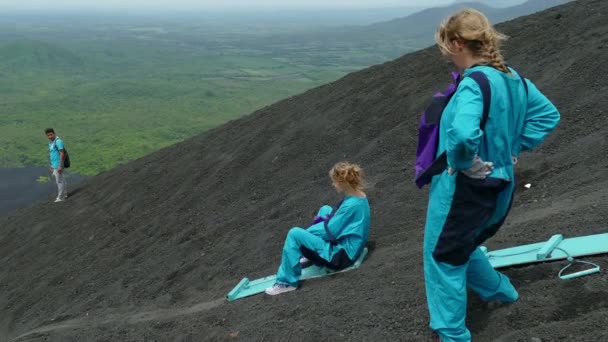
<point>337,237</point>
<point>470,200</point>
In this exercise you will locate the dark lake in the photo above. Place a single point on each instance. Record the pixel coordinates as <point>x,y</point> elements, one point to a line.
<point>20,187</point>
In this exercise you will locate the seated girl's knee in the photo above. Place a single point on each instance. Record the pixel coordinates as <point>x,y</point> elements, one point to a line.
<point>294,237</point>
<point>325,210</point>
<point>295,231</point>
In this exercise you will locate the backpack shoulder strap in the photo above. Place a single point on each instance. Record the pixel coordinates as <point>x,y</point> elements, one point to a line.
<point>55,144</point>
<point>523,80</point>
<point>484,85</point>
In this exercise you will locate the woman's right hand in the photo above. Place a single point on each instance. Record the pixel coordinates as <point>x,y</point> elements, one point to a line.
<point>479,170</point>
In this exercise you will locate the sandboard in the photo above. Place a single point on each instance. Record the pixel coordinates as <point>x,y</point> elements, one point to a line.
<point>556,248</point>
<point>246,287</point>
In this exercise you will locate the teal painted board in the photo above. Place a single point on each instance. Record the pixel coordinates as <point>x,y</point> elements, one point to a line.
<point>246,287</point>
<point>237,289</point>
<point>549,247</point>
<point>527,254</point>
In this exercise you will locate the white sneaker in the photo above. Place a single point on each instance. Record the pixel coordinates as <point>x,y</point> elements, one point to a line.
<point>277,289</point>
<point>59,200</point>
<point>304,260</point>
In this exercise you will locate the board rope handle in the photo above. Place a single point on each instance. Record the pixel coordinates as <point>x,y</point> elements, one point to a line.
<point>594,269</point>
<point>571,261</point>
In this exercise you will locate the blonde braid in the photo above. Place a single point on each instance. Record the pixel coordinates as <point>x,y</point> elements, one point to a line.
<point>493,56</point>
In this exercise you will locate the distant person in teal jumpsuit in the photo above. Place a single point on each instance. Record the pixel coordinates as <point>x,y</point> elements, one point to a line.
<point>337,236</point>
<point>470,200</point>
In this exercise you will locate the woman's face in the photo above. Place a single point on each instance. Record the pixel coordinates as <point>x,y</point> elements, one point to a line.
<point>337,185</point>
<point>461,56</point>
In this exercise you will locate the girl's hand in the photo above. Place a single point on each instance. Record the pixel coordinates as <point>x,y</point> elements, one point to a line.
<point>479,170</point>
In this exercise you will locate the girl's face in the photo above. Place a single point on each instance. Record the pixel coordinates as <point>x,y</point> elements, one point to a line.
<point>461,56</point>
<point>337,185</point>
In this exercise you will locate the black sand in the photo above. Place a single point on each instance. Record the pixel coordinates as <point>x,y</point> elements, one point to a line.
<point>147,251</point>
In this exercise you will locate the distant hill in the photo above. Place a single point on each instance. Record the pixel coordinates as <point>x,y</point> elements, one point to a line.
<point>494,3</point>
<point>421,26</point>
<point>393,38</point>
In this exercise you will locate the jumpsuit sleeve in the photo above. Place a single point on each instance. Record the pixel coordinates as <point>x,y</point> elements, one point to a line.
<point>540,119</point>
<point>339,221</point>
<point>464,134</point>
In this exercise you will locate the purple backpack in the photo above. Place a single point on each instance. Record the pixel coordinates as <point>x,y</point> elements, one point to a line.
<point>427,162</point>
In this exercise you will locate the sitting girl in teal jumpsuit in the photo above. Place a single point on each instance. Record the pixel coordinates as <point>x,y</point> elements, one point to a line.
<point>470,200</point>
<point>337,237</point>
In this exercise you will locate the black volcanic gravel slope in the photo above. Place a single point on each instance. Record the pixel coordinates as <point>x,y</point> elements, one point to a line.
<point>147,251</point>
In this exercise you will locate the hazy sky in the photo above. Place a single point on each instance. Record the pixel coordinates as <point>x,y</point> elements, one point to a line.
<point>223,4</point>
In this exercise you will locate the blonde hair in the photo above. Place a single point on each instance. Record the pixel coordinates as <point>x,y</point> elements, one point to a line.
<point>477,33</point>
<point>348,174</point>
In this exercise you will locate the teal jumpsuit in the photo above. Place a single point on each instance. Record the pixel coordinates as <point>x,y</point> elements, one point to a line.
<point>464,212</point>
<point>335,243</point>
